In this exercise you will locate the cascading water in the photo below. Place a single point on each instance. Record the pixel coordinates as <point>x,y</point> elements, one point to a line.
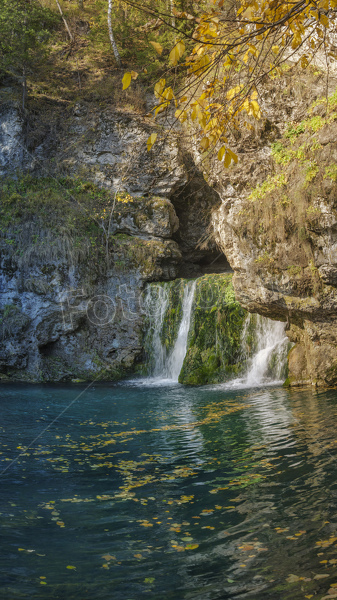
<point>176,358</point>
<point>226,344</point>
<point>168,363</point>
<point>268,358</point>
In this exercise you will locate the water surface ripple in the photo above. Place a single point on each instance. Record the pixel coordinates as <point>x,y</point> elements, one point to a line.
<point>168,493</point>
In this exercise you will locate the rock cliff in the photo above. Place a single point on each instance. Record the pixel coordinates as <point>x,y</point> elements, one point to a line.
<point>100,216</point>
<point>86,220</point>
<point>277,225</point>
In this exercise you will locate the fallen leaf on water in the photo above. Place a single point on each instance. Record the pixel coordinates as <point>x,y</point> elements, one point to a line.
<point>71,567</point>
<point>108,557</point>
<point>321,576</point>
<point>192,546</point>
<point>292,578</point>
<point>178,548</point>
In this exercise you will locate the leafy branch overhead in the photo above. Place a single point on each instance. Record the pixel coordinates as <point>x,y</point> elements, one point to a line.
<point>220,64</point>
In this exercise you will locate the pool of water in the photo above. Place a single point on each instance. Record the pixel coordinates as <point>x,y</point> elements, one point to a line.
<point>167,492</point>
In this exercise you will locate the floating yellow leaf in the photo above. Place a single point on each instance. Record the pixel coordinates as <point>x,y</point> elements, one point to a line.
<point>292,578</point>
<point>192,546</point>
<point>71,567</point>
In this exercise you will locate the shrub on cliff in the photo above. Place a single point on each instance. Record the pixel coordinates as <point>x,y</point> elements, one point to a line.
<point>24,30</point>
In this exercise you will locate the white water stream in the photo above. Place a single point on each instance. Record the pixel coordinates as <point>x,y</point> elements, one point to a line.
<point>168,365</point>
<point>175,360</point>
<point>266,365</point>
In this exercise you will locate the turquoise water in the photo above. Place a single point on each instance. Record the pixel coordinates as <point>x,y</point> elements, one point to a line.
<point>167,493</point>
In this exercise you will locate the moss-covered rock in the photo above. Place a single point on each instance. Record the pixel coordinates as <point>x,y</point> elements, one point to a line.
<point>214,351</point>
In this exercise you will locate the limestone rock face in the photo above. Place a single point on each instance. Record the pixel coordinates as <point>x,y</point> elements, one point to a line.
<point>11,139</point>
<point>63,318</point>
<point>110,149</point>
<point>72,285</point>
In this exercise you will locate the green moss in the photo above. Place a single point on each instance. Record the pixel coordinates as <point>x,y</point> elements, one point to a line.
<point>173,314</point>
<point>294,270</point>
<point>12,321</point>
<point>331,172</point>
<point>270,184</point>
<point>214,347</point>
<point>42,219</point>
<point>311,170</point>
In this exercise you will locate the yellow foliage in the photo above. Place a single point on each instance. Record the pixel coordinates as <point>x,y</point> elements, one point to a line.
<point>229,52</point>
<point>177,52</point>
<point>151,140</point>
<point>158,48</point>
<point>126,80</point>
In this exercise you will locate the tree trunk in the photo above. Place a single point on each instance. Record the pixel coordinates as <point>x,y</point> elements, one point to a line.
<point>173,19</point>
<point>24,88</point>
<point>111,35</point>
<point>64,21</point>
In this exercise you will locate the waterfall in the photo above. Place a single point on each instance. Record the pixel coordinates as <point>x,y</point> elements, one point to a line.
<point>197,333</point>
<point>176,358</point>
<point>267,359</point>
<point>168,362</point>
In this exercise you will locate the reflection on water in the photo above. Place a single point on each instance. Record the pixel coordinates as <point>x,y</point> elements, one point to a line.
<point>168,492</point>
